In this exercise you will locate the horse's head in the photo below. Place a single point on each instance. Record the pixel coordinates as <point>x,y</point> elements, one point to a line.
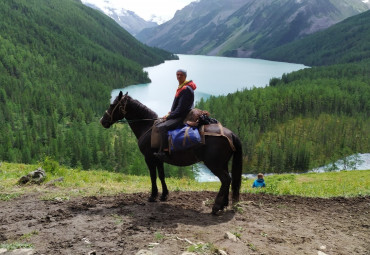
<point>116,111</point>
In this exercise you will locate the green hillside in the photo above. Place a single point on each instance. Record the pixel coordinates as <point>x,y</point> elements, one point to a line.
<point>345,42</point>
<point>59,61</point>
<point>306,119</point>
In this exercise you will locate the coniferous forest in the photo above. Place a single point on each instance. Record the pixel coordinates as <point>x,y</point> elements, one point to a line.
<point>59,61</point>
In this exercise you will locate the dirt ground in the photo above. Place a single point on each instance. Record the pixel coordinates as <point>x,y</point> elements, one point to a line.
<point>127,224</point>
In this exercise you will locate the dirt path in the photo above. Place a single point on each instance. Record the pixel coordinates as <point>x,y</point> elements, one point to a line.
<point>127,223</point>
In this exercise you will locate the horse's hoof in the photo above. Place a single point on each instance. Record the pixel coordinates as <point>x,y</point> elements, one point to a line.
<point>152,199</point>
<point>216,209</point>
<point>163,198</point>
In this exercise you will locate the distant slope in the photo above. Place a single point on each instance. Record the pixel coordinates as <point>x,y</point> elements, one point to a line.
<point>245,28</point>
<point>345,42</point>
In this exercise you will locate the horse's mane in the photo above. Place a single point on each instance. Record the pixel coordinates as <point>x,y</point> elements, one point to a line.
<point>143,109</point>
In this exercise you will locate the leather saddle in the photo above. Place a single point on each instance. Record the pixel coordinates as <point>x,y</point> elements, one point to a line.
<point>196,118</point>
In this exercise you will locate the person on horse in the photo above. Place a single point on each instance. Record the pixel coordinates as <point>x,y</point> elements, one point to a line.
<point>181,106</point>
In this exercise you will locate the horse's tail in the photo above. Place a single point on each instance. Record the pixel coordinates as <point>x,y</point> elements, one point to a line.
<point>236,170</point>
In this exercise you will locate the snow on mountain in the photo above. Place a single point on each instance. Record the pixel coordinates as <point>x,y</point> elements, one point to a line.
<point>126,18</point>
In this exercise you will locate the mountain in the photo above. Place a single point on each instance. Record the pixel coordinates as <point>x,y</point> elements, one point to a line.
<point>125,18</point>
<point>345,42</point>
<point>246,28</point>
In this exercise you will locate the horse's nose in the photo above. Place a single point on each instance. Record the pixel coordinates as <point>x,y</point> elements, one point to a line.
<point>101,122</point>
<point>105,124</point>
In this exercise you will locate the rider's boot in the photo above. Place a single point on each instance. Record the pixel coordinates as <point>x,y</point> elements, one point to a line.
<point>161,154</point>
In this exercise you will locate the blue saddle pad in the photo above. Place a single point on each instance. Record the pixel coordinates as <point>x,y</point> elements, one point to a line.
<point>183,138</point>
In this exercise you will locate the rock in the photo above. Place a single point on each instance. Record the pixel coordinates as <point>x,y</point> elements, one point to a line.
<point>221,252</point>
<point>17,252</point>
<point>230,236</point>
<point>144,252</point>
<point>36,177</point>
<point>321,253</point>
<point>52,182</point>
<point>86,240</point>
<point>322,247</point>
<point>92,253</point>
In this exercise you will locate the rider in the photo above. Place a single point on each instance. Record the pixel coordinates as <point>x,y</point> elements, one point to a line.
<point>181,106</point>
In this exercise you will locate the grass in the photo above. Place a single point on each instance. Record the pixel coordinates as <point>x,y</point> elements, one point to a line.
<point>101,183</point>
<point>16,245</point>
<point>325,185</point>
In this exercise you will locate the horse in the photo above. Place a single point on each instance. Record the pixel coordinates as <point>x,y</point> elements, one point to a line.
<point>215,153</point>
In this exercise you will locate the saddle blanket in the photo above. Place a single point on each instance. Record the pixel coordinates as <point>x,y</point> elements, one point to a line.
<point>183,138</point>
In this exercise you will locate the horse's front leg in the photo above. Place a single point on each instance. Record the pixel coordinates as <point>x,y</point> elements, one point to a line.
<point>163,182</point>
<point>153,177</point>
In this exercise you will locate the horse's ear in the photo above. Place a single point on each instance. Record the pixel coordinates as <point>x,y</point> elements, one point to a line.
<point>126,93</point>
<point>120,95</point>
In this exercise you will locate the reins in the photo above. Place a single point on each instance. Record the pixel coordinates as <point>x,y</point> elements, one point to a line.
<point>121,106</point>
<point>126,121</point>
<point>123,111</point>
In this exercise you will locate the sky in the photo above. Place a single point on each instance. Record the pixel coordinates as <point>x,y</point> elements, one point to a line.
<point>165,9</point>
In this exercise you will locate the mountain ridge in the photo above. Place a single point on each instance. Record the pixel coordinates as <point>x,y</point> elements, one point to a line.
<point>246,28</point>
<point>345,42</point>
<point>127,19</point>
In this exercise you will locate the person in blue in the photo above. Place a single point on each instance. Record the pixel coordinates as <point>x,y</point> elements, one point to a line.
<point>259,182</point>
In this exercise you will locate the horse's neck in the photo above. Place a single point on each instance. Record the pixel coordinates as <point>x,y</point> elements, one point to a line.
<point>141,120</point>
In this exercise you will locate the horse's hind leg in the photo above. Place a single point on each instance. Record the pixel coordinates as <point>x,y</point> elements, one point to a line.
<point>222,198</point>
<point>163,182</point>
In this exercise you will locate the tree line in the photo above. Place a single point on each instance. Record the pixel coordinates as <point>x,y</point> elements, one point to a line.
<point>59,61</point>
<point>301,121</point>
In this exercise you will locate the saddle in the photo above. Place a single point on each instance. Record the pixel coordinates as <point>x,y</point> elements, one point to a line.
<point>199,119</point>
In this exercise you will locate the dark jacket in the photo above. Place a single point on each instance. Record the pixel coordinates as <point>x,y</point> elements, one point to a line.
<point>182,104</point>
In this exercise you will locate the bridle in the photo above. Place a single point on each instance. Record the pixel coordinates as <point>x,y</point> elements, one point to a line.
<point>120,108</point>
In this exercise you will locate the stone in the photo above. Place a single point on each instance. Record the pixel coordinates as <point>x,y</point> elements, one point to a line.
<point>221,252</point>
<point>230,236</point>
<point>36,177</point>
<point>144,252</point>
<point>322,247</point>
<point>17,252</point>
<point>321,253</point>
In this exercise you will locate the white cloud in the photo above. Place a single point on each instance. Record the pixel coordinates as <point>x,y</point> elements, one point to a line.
<point>146,9</point>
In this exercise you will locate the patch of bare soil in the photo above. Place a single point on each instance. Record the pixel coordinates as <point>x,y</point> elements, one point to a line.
<point>127,223</point>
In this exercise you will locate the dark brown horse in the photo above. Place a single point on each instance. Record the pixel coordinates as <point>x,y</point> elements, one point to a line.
<point>215,153</point>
